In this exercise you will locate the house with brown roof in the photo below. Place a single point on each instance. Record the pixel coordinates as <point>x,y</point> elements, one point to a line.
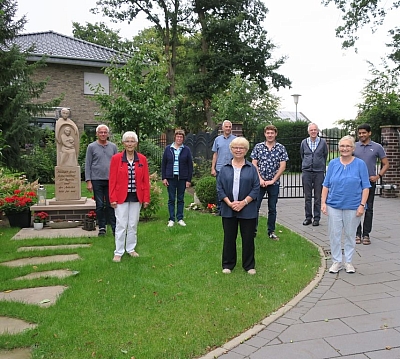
<point>72,65</point>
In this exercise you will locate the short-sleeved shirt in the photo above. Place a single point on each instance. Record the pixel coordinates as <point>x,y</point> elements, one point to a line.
<point>369,153</point>
<point>268,161</point>
<point>346,183</point>
<point>221,147</point>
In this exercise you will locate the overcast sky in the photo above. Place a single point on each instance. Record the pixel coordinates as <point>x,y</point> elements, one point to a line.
<point>328,78</point>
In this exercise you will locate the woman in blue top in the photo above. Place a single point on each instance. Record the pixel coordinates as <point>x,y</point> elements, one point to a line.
<point>238,187</point>
<point>344,194</point>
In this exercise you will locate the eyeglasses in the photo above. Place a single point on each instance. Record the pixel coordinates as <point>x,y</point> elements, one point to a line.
<point>238,148</point>
<point>345,146</point>
<point>130,141</point>
<point>102,132</point>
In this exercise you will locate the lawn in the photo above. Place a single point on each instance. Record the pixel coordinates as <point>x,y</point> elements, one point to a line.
<point>171,302</point>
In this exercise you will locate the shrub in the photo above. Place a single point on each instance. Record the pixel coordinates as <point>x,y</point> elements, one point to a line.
<point>153,154</point>
<point>155,199</point>
<point>206,190</point>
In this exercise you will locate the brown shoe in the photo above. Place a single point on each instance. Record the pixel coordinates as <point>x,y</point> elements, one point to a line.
<point>358,240</point>
<point>366,240</point>
<point>117,259</point>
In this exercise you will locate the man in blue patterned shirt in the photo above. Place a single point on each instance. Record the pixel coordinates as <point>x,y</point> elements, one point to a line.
<point>270,159</point>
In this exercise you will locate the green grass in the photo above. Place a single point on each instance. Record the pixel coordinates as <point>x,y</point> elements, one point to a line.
<point>171,302</point>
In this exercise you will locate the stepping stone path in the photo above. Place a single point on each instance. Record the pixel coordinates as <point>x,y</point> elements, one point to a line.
<point>41,296</point>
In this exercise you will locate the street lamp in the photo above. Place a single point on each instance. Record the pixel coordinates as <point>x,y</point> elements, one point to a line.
<point>296,101</point>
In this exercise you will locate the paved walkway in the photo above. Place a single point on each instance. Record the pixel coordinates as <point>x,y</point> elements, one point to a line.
<point>345,315</point>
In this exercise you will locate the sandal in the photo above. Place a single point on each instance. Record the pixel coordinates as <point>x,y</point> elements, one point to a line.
<point>366,240</point>
<point>358,240</point>
<point>134,254</point>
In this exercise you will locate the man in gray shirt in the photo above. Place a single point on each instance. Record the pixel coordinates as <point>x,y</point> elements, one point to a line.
<point>97,167</point>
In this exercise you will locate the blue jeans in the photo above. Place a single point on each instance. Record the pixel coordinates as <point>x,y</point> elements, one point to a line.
<point>273,193</point>
<point>176,191</point>
<point>104,211</point>
<point>366,227</point>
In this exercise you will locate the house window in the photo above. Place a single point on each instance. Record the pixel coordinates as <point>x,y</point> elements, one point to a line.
<point>94,79</point>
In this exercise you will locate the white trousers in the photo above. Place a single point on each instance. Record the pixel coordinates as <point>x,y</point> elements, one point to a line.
<point>127,217</point>
<point>346,221</point>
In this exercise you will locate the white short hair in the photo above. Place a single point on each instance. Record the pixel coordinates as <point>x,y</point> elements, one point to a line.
<point>129,134</point>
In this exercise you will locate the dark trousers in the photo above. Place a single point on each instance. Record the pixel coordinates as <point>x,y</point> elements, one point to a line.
<point>366,228</point>
<point>104,212</point>
<point>176,191</point>
<point>229,254</point>
<point>273,193</point>
<point>312,181</point>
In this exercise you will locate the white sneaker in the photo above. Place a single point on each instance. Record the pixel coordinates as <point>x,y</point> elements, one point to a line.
<point>252,271</point>
<point>335,267</point>
<point>170,224</point>
<point>226,271</point>
<point>182,223</point>
<point>349,268</point>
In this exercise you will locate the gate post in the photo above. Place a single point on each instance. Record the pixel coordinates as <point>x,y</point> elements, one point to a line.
<point>391,142</point>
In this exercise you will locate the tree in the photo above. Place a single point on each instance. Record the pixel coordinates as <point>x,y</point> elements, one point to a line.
<point>18,92</point>
<point>358,14</point>
<point>139,100</point>
<point>245,102</point>
<point>101,34</point>
<point>226,38</point>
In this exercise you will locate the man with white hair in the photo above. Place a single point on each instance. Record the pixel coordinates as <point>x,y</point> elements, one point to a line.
<point>222,153</point>
<point>97,167</point>
<point>313,152</point>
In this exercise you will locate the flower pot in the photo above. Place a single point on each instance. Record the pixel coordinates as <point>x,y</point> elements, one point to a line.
<point>37,225</point>
<point>19,219</point>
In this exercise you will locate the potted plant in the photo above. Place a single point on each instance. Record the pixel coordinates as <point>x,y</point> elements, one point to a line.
<point>17,207</point>
<point>39,219</point>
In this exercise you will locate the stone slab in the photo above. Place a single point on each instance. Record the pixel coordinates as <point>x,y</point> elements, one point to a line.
<point>77,232</point>
<point>44,248</point>
<point>41,260</point>
<point>376,321</point>
<point>20,353</point>
<point>42,296</point>
<point>14,325</point>
<point>59,273</point>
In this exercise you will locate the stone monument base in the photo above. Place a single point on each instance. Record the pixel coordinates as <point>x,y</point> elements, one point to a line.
<point>72,211</point>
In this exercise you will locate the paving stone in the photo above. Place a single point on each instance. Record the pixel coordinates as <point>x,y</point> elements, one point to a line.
<point>385,354</point>
<point>61,246</point>
<point>370,279</point>
<point>395,284</point>
<point>41,260</point>
<point>59,273</point>
<point>370,322</point>
<point>379,305</point>
<point>14,325</point>
<point>257,341</point>
<point>22,353</point>
<point>275,327</point>
<point>46,295</point>
<point>244,349</point>
<point>314,330</point>
<point>322,312</point>
<point>365,342</point>
<point>312,349</point>
<point>28,233</point>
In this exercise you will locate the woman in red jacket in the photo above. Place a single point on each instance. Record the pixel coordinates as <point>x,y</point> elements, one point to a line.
<point>129,189</point>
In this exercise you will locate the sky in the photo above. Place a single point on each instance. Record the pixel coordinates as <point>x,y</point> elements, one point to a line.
<point>329,79</point>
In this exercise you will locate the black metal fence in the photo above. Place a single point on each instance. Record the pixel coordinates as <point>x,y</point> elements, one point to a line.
<point>290,183</point>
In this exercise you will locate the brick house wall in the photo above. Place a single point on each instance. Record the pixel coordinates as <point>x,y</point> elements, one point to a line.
<point>69,79</point>
<point>391,143</point>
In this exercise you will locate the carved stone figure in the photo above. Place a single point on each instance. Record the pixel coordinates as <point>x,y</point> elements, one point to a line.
<point>67,137</point>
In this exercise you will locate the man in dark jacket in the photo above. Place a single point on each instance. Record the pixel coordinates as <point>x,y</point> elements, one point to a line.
<point>177,171</point>
<point>314,152</point>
